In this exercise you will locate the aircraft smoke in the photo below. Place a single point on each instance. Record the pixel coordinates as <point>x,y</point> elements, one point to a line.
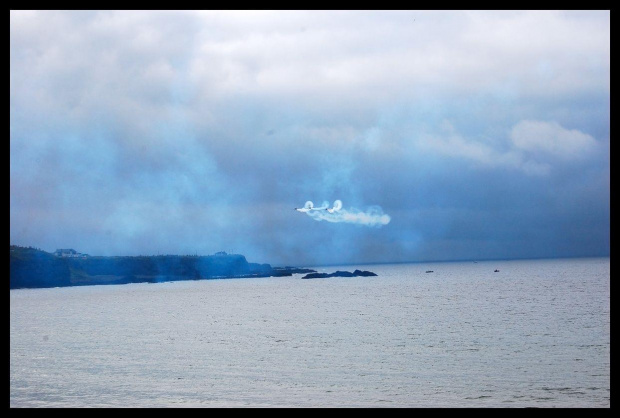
<point>373,216</point>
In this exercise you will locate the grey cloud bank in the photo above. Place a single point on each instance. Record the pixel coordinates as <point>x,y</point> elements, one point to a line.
<point>478,134</point>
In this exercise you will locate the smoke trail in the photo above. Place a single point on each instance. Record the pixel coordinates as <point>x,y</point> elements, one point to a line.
<point>373,216</point>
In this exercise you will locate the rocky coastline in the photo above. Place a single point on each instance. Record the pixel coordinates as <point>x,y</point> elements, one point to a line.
<point>33,268</point>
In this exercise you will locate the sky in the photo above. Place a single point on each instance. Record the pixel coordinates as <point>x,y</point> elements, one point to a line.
<point>444,135</point>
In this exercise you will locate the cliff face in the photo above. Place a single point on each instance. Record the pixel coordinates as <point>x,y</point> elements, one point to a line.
<point>35,268</point>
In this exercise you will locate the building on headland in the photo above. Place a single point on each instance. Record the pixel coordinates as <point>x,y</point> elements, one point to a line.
<point>69,252</point>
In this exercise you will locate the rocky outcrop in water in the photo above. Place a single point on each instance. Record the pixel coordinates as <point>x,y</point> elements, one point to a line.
<point>339,273</point>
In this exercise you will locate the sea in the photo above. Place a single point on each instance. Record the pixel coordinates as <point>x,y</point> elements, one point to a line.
<point>535,333</point>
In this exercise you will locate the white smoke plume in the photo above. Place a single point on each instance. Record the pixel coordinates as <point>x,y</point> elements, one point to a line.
<point>373,216</point>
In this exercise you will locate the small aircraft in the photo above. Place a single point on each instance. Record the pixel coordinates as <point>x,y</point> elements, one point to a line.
<point>307,207</point>
<point>336,208</point>
<point>310,206</point>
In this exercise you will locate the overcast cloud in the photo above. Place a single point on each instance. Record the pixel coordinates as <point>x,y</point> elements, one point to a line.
<point>477,134</point>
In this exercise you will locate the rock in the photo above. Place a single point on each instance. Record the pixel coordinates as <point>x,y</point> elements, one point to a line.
<point>363,273</point>
<point>339,273</point>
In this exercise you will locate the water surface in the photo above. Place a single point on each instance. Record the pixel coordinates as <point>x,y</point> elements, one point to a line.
<point>534,334</point>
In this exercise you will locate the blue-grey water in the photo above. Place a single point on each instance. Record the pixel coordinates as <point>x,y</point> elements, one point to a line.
<point>534,334</point>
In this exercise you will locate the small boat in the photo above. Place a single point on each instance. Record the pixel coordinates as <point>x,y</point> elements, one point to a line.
<point>496,271</point>
<point>429,271</point>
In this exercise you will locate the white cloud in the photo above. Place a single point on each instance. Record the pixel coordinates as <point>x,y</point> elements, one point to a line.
<point>304,57</point>
<point>370,54</point>
<point>534,148</point>
<point>552,139</point>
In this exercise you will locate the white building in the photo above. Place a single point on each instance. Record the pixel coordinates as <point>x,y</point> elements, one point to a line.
<point>68,253</point>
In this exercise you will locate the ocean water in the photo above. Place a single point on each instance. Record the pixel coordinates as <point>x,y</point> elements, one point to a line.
<point>534,334</point>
